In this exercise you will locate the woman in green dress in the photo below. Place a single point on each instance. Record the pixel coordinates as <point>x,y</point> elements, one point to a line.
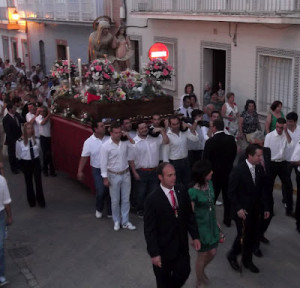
<point>203,199</point>
<point>275,113</point>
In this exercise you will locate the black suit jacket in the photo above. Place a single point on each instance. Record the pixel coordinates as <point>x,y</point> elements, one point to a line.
<point>12,129</point>
<point>242,191</point>
<point>165,234</point>
<point>220,150</point>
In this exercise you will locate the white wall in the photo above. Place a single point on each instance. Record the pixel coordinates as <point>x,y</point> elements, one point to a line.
<point>189,35</point>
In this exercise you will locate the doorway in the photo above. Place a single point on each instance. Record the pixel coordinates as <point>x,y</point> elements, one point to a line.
<point>42,55</point>
<point>135,59</point>
<point>214,68</point>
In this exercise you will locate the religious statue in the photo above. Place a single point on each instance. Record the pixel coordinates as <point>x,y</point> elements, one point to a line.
<point>100,42</point>
<point>123,52</point>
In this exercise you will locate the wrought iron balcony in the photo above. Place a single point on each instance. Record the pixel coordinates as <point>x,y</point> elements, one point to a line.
<point>64,10</point>
<point>227,8</point>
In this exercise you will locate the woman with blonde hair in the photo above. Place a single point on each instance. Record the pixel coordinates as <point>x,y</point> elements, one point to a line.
<point>27,151</point>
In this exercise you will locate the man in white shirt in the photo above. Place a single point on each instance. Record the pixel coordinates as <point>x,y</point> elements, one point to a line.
<point>177,151</point>
<point>43,123</point>
<point>278,141</point>
<point>186,108</point>
<point>92,149</point>
<point>5,201</point>
<point>116,176</point>
<point>31,116</point>
<point>143,161</point>
<point>126,126</point>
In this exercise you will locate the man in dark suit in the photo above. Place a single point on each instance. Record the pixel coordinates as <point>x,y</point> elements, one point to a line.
<point>167,220</point>
<point>247,193</point>
<point>12,128</point>
<point>220,150</point>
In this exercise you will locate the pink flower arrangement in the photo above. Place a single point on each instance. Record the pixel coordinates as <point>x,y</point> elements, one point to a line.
<point>159,70</point>
<point>101,70</point>
<point>60,69</point>
<point>129,79</point>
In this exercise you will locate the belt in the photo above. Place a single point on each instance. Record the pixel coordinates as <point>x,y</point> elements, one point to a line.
<point>120,172</point>
<point>147,169</point>
<point>277,161</point>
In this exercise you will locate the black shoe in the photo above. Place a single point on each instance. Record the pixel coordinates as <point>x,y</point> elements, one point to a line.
<point>290,213</point>
<point>140,214</point>
<point>46,173</point>
<point>257,252</point>
<point>15,171</point>
<point>264,240</point>
<point>251,267</point>
<point>233,263</point>
<point>227,223</point>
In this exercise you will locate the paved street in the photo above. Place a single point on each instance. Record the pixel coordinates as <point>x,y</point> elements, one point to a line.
<point>64,245</point>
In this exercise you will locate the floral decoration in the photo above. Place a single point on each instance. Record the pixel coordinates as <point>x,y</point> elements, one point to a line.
<point>159,70</point>
<point>101,70</point>
<point>60,69</point>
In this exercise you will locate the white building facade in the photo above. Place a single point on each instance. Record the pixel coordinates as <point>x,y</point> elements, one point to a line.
<point>13,38</point>
<point>252,46</point>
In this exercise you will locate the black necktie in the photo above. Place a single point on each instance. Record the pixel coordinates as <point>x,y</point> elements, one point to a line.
<point>17,120</point>
<point>187,114</point>
<point>31,150</point>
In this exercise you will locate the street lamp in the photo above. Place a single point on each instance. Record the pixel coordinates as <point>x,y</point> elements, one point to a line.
<point>15,16</point>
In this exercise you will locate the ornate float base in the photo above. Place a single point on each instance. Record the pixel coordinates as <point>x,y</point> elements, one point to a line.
<point>162,105</point>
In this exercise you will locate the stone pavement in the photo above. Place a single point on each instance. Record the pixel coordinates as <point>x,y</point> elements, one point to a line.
<point>65,246</point>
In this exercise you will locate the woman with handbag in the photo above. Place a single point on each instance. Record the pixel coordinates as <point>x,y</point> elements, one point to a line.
<point>27,151</point>
<point>203,199</point>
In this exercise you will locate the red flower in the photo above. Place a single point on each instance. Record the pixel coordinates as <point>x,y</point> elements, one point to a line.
<point>98,68</point>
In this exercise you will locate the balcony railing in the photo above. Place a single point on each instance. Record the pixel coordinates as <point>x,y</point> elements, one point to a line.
<point>218,6</point>
<point>3,14</point>
<point>64,10</point>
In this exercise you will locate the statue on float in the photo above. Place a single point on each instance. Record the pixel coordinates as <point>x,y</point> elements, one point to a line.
<point>102,44</point>
<point>100,41</point>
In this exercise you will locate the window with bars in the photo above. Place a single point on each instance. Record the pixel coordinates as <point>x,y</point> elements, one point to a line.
<point>172,47</point>
<point>275,82</point>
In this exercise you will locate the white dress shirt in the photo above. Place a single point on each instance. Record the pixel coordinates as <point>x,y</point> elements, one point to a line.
<point>278,144</point>
<point>146,151</point>
<point>296,153</point>
<point>197,145</point>
<point>114,157</point>
<point>29,116</point>
<point>44,130</point>
<point>4,193</point>
<point>167,193</point>
<point>23,151</point>
<point>177,147</point>
<point>295,139</point>
<point>187,112</point>
<point>92,148</point>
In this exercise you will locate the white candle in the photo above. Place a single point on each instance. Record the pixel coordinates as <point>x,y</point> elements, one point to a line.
<point>68,57</point>
<point>79,68</point>
<point>69,69</point>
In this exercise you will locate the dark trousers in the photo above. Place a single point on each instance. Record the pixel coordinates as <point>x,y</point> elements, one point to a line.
<point>194,156</point>
<point>297,210</point>
<point>282,170</point>
<point>183,171</point>
<point>47,154</point>
<point>248,230</point>
<point>32,169</point>
<point>174,273</point>
<point>222,185</point>
<point>11,150</point>
<point>147,183</point>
